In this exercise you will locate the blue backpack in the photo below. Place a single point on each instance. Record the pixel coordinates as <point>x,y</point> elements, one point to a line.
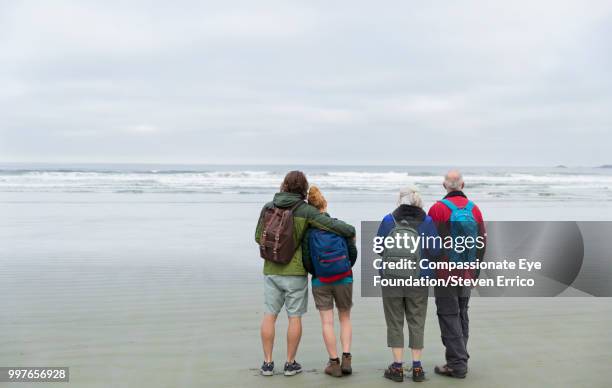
<point>329,255</point>
<point>462,224</point>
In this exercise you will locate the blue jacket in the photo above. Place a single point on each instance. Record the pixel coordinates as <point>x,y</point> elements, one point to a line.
<point>426,228</point>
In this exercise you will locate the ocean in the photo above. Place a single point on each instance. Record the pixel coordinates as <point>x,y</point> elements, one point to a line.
<point>508,183</point>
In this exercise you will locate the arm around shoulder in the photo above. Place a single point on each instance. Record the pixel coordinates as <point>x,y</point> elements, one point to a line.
<point>325,222</point>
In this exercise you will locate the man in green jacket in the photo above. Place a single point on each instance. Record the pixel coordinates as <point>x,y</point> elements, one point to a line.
<point>287,284</point>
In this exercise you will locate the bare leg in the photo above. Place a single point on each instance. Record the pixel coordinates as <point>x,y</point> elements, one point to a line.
<point>416,354</point>
<point>329,337</point>
<point>294,334</point>
<point>346,330</point>
<point>267,335</point>
<point>398,354</point>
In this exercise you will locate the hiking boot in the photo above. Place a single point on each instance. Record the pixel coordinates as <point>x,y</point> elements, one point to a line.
<point>395,374</point>
<point>346,364</point>
<point>418,374</point>
<point>444,370</point>
<point>333,368</point>
<point>267,369</point>
<point>292,368</point>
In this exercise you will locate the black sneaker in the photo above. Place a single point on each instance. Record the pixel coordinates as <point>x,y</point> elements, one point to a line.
<point>292,368</point>
<point>418,374</point>
<point>444,370</point>
<point>267,369</point>
<point>395,374</point>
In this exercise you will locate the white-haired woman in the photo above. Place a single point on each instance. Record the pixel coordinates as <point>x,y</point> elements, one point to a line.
<point>409,303</point>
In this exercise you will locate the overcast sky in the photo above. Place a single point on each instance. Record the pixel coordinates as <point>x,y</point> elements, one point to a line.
<point>373,82</point>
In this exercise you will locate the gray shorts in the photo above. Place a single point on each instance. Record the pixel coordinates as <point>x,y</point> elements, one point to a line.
<point>291,291</point>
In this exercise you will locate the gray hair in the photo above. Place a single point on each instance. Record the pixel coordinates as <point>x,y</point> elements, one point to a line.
<point>453,180</point>
<point>410,196</point>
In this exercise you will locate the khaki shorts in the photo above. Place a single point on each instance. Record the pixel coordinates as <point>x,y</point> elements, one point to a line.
<point>326,295</point>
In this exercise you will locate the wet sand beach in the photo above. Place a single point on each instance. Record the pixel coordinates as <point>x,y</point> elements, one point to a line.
<point>165,291</point>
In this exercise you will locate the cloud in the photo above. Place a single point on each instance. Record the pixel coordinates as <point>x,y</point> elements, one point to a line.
<point>387,82</point>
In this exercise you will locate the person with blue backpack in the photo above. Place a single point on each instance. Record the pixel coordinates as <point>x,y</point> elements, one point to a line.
<point>281,226</point>
<point>458,217</point>
<point>329,258</point>
<point>407,303</point>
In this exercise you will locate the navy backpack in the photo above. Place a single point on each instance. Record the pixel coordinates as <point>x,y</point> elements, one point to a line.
<point>329,255</point>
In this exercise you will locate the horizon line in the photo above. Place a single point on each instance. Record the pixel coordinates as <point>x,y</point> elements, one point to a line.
<point>307,164</point>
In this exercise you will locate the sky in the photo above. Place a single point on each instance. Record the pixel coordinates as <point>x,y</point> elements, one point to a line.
<point>313,82</point>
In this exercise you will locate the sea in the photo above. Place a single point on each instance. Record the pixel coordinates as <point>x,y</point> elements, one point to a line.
<point>508,183</point>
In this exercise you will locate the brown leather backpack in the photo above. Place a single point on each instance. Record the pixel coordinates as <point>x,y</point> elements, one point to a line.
<point>276,243</point>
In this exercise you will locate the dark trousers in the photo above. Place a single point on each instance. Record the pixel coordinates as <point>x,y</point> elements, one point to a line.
<point>452,309</point>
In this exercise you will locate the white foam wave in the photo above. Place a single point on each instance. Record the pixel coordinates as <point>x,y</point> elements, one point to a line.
<point>494,184</point>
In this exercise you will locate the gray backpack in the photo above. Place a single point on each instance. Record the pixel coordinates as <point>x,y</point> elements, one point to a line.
<point>396,254</point>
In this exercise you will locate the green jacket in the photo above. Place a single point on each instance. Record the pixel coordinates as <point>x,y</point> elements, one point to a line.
<point>304,216</point>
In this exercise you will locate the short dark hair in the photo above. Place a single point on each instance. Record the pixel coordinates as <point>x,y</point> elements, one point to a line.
<point>295,182</point>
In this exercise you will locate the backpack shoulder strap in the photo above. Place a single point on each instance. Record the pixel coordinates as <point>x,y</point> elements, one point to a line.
<point>295,206</point>
<point>469,206</point>
<point>402,223</point>
<point>449,204</point>
<point>394,220</point>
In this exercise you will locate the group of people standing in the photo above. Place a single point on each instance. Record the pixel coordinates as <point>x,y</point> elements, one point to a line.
<point>297,236</point>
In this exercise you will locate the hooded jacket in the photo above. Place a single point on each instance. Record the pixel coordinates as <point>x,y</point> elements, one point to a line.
<point>426,228</point>
<point>304,216</point>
